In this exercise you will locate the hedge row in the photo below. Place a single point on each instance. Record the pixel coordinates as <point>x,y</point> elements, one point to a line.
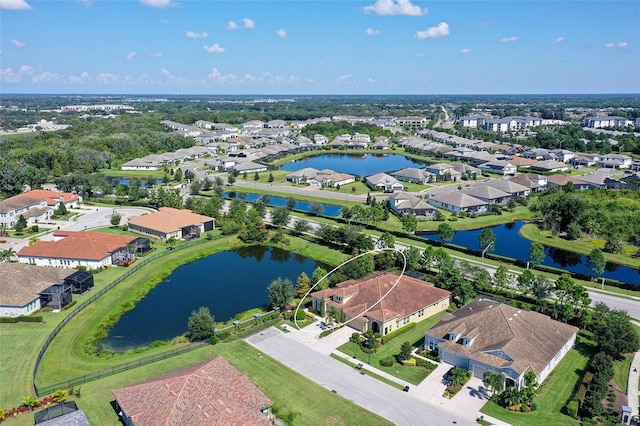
<point>21,318</point>
<point>401,330</point>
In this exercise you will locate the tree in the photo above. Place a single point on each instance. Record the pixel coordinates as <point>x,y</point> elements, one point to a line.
<point>316,208</point>
<point>501,278</point>
<point>412,254</point>
<point>201,324</point>
<point>303,285</point>
<point>291,203</point>
<point>280,293</point>
<point>21,224</point>
<point>487,239</point>
<point>596,262</point>
<point>301,226</point>
<point>195,187</point>
<point>524,281</point>
<point>613,244</point>
<point>614,331</point>
<point>231,179</point>
<point>386,240</point>
<point>459,376</point>
<point>409,223</point>
<point>405,351</point>
<point>493,381</point>
<point>317,275</point>
<point>427,257</point>
<point>445,232</point>
<point>280,216</point>
<point>178,175</point>
<point>115,219</point>
<point>536,254</point>
<point>172,242</point>
<point>540,289</point>
<point>270,177</point>
<point>256,176</point>
<point>323,307</point>
<point>61,210</point>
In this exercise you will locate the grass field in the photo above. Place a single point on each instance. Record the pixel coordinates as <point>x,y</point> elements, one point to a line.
<point>621,371</point>
<point>554,392</point>
<point>288,390</point>
<point>415,336</point>
<point>532,232</point>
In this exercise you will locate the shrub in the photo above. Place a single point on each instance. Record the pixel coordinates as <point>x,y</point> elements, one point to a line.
<point>387,362</point>
<point>214,340</point>
<point>401,330</point>
<point>572,408</point>
<point>158,343</point>
<point>409,362</point>
<point>35,228</point>
<point>300,315</point>
<point>384,340</point>
<point>223,334</point>
<point>60,396</point>
<point>69,305</point>
<point>326,333</point>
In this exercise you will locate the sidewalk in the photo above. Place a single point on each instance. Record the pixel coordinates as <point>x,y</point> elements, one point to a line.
<point>632,386</point>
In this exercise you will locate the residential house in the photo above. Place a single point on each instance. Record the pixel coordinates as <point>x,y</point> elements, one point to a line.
<point>444,171</point>
<point>499,166</point>
<point>406,203</point>
<point>381,143</point>
<point>329,178</point>
<point>549,166</point>
<point>533,181</point>
<point>275,124</point>
<point>383,302</point>
<point>88,249</point>
<point>411,174</point>
<point>563,155</point>
<point>24,289</point>
<point>488,194</point>
<point>319,139</point>
<point>560,181</point>
<point>536,154</point>
<point>209,393</point>
<point>302,176</point>
<point>458,201</point>
<point>384,182</point>
<point>249,167</point>
<point>167,222</point>
<point>412,120</point>
<point>585,160</point>
<point>615,161</point>
<point>521,161</point>
<point>487,335</point>
<point>35,206</point>
<point>251,127</point>
<point>509,186</point>
<point>597,121</point>
<point>145,163</point>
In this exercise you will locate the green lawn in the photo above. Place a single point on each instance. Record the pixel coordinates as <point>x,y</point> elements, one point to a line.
<point>285,387</point>
<point>554,392</point>
<point>415,336</point>
<point>621,372</point>
<point>367,372</point>
<point>534,233</point>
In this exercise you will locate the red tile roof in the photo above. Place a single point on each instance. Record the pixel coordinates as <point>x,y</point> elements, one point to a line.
<point>85,245</point>
<point>52,197</point>
<point>409,296</point>
<point>168,219</point>
<point>210,393</point>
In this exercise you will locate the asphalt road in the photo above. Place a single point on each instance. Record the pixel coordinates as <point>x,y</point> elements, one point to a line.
<point>394,405</point>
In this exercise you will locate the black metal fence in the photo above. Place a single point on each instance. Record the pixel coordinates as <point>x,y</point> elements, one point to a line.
<point>132,269</point>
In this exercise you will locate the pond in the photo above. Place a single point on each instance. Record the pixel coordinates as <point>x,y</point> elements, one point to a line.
<point>227,283</point>
<point>143,183</point>
<point>330,210</point>
<point>510,243</point>
<point>356,164</point>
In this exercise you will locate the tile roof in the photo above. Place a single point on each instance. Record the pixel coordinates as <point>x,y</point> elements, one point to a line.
<point>508,186</point>
<point>15,203</point>
<point>52,197</point>
<point>209,393</point>
<point>168,219</point>
<point>20,283</point>
<point>84,245</point>
<point>529,338</point>
<point>409,296</point>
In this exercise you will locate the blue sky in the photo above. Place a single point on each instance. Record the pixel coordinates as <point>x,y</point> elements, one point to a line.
<point>319,47</point>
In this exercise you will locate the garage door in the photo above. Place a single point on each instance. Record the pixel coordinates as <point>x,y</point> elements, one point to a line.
<point>478,371</point>
<point>454,359</point>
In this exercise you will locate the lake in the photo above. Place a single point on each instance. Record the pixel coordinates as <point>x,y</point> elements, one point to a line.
<point>356,164</point>
<point>227,283</point>
<point>330,210</point>
<point>510,243</point>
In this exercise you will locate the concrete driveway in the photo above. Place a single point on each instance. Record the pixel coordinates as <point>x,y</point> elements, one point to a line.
<point>398,407</point>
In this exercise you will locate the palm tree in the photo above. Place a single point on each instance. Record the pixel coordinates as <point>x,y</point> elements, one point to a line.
<point>29,401</point>
<point>7,255</point>
<point>172,242</point>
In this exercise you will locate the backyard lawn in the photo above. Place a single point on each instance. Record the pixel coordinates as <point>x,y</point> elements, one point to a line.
<point>554,392</point>
<point>415,336</point>
<point>621,371</point>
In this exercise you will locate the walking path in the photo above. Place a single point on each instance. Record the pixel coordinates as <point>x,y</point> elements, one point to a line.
<point>632,386</point>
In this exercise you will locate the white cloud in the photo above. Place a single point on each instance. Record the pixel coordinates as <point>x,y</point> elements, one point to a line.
<point>83,78</point>
<point>158,3</point>
<point>14,5</point>
<point>18,43</point>
<point>282,33</point>
<point>441,30</point>
<point>215,48</point>
<point>7,75</point>
<point>46,77</point>
<point>343,78</point>
<point>370,80</point>
<point>156,54</point>
<point>418,55</point>
<point>621,44</point>
<point>509,39</point>
<point>217,77</point>
<point>165,21</point>
<point>85,3</point>
<point>248,23</point>
<point>395,7</point>
<point>372,32</point>
<point>465,51</point>
<point>107,78</point>
<point>131,55</point>
<point>558,40</point>
<point>193,34</point>
<point>232,25</point>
